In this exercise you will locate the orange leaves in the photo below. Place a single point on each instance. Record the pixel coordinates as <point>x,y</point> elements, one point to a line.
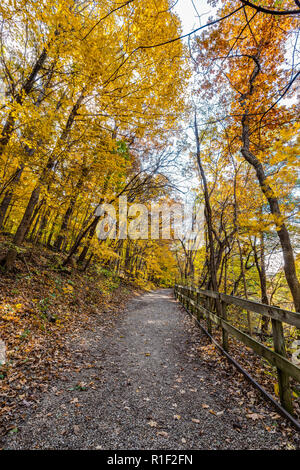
<point>10,312</point>
<point>68,289</point>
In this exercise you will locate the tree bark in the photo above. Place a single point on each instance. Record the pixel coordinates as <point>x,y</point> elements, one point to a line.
<point>69,211</point>
<point>9,194</point>
<point>208,213</point>
<point>261,269</point>
<point>24,224</point>
<point>245,287</point>
<point>8,127</point>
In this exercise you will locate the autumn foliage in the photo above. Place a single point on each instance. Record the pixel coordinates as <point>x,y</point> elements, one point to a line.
<point>84,103</point>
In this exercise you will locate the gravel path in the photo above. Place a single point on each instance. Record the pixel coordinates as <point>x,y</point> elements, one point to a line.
<point>142,385</point>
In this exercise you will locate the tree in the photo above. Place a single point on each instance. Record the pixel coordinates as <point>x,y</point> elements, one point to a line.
<point>250,69</point>
<point>90,83</point>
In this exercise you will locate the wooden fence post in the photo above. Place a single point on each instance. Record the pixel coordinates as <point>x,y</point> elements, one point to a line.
<point>225,341</point>
<point>198,301</point>
<point>208,320</point>
<point>194,297</point>
<point>283,378</point>
<point>278,357</point>
<point>190,298</point>
<point>185,301</point>
<point>187,293</point>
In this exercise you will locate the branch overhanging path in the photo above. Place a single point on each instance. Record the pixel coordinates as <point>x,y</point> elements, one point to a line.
<point>259,9</point>
<point>159,44</point>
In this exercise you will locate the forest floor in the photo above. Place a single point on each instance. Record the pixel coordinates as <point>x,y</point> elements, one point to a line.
<point>44,312</point>
<point>148,380</point>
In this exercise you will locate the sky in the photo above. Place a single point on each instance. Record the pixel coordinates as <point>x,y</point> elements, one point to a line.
<point>192,13</point>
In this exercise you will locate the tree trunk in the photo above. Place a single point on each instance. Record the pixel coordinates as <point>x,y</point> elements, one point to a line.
<point>245,287</point>
<point>261,269</point>
<point>64,226</point>
<point>282,232</point>
<point>4,205</point>
<point>79,239</point>
<point>34,198</point>
<point>208,214</point>
<point>8,260</point>
<point>8,127</point>
<point>9,194</point>
<point>24,224</point>
<point>70,209</point>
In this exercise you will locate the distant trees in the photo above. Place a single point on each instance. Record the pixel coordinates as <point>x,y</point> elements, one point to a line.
<point>79,96</point>
<point>249,140</point>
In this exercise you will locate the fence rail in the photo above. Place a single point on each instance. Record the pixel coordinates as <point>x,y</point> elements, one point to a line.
<point>202,303</point>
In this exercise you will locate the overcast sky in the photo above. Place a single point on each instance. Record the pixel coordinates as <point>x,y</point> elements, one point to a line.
<point>193,13</point>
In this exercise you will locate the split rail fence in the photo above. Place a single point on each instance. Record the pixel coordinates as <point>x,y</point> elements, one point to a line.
<point>212,306</point>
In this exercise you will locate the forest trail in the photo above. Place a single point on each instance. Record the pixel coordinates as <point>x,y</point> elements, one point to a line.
<point>148,388</point>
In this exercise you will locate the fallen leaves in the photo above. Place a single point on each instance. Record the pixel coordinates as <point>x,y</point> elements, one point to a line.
<point>254,416</point>
<point>76,429</point>
<point>38,349</point>
<point>152,423</point>
<point>68,289</point>
<point>13,430</point>
<point>162,433</point>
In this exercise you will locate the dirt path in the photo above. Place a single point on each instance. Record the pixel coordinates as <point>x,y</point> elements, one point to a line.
<point>144,386</point>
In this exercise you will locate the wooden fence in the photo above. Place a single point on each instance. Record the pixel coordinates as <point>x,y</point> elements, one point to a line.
<point>212,306</point>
